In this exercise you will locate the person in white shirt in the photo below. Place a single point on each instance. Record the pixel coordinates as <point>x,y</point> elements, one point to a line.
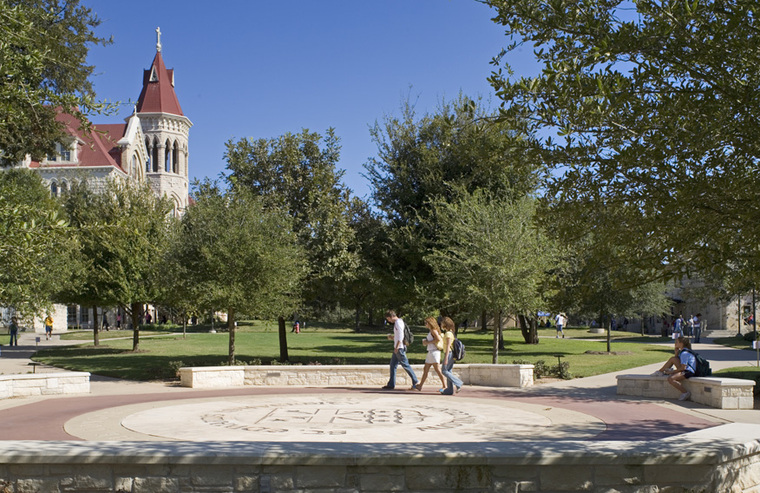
<point>399,351</point>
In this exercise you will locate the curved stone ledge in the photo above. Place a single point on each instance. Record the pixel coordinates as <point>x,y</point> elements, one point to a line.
<point>341,375</point>
<point>31,384</point>
<point>724,458</point>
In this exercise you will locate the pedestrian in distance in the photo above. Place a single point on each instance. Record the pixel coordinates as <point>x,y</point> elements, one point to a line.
<point>434,344</point>
<point>48,327</point>
<point>560,320</point>
<point>698,325</point>
<point>681,366</point>
<point>399,351</point>
<point>449,334</point>
<point>678,327</point>
<point>13,329</point>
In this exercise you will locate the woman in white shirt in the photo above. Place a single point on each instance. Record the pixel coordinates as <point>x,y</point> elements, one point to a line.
<point>434,344</point>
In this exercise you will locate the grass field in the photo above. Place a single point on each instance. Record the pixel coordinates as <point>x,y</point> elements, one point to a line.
<point>162,351</point>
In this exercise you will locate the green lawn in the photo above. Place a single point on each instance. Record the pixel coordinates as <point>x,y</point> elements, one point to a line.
<point>163,352</point>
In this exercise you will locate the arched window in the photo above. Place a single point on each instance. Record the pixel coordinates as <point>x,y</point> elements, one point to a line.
<point>168,162</point>
<point>148,148</point>
<point>64,188</point>
<point>154,158</point>
<point>133,167</point>
<point>175,158</point>
<point>54,189</point>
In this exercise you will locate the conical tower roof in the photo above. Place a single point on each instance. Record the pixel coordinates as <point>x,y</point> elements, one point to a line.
<point>158,94</point>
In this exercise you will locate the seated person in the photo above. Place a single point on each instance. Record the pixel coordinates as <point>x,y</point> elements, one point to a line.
<point>679,367</point>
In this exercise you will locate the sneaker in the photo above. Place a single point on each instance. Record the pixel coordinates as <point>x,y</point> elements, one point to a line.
<point>685,396</point>
<point>458,389</point>
<point>416,386</point>
<point>386,387</point>
<point>658,373</point>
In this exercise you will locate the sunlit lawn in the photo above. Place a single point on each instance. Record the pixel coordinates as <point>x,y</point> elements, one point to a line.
<point>161,351</point>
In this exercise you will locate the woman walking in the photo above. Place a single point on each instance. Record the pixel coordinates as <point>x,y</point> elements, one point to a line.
<point>449,334</point>
<point>434,343</point>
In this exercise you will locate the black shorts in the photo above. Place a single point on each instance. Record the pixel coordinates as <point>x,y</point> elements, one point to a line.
<point>688,374</point>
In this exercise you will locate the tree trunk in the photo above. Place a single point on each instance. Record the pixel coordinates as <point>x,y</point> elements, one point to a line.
<point>136,314</point>
<point>483,321</point>
<point>95,332</point>
<point>739,313</point>
<point>501,333</point>
<point>184,324</point>
<point>495,341</point>
<point>231,328</point>
<point>356,318</point>
<point>283,339</point>
<point>609,336</point>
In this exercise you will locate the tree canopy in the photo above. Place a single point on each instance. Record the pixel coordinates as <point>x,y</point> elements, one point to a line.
<point>235,253</point>
<point>43,70</point>
<point>298,173</point>
<point>656,106</point>
<point>442,156</point>
<point>36,246</point>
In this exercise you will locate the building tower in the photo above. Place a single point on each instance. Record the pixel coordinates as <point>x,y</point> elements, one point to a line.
<point>166,131</point>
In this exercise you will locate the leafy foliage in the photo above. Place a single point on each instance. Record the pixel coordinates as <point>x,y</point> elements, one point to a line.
<point>297,173</point>
<point>122,232</point>
<point>439,157</point>
<point>235,253</point>
<point>657,109</point>
<point>35,249</point>
<point>43,52</point>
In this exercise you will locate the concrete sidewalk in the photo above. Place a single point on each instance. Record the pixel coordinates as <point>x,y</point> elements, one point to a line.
<point>595,396</point>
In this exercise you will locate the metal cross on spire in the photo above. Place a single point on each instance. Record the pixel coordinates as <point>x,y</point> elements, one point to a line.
<point>158,37</point>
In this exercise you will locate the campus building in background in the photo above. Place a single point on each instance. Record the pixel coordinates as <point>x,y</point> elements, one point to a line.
<point>150,145</point>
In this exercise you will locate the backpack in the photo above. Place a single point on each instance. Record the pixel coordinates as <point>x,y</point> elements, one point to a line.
<point>457,349</point>
<point>703,366</point>
<point>408,336</point>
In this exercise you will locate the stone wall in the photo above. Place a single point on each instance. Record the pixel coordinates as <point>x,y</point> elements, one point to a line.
<point>723,459</point>
<point>65,382</point>
<point>721,393</point>
<point>358,375</point>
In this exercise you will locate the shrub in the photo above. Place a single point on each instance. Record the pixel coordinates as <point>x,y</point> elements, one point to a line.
<point>174,367</point>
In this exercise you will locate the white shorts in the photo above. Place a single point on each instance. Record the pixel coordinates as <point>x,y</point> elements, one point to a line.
<point>433,357</point>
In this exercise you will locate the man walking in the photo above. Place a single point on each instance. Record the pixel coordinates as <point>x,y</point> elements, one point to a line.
<point>399,351</point>
<point>698,326</point>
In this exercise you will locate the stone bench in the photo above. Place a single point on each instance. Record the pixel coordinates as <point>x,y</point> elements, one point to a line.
<point>722,393</point>
<point>356,375</point>
<point>63,382</point>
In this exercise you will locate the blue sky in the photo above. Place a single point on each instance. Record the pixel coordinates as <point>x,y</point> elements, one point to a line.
<point>256,68</point>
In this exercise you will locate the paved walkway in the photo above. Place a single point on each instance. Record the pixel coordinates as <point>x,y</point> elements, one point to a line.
<point>580,409</point>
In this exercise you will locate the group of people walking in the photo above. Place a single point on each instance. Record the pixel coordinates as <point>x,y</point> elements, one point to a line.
<point>439,344</point>
<point>690,327</point>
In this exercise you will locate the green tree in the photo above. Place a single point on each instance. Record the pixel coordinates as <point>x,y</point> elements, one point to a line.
<point>453,152</point>
<point>297,173</point>
<point>493,257</point>
<point>36,245</point>
<point>656,104</point>
<point>237,253</point>
<point>43,70</point>
<point>122,231</point>
<point>595,280</point>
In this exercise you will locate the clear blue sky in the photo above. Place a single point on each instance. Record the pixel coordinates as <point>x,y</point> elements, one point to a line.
<point>261,68</point>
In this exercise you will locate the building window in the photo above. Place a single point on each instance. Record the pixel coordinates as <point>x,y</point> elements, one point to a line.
<point>54,189</point>
<point>71,316</point>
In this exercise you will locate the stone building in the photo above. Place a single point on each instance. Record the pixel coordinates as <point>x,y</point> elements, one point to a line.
<point>150,145</point>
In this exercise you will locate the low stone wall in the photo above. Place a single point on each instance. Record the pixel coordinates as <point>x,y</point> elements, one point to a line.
<point>722,393</point>
<point>30,384</point>
<point>341,375</point>
<point>722,459</point>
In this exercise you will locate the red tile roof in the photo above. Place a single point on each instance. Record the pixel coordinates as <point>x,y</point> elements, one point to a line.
<point>158,96</point>
<point>98,148</point>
